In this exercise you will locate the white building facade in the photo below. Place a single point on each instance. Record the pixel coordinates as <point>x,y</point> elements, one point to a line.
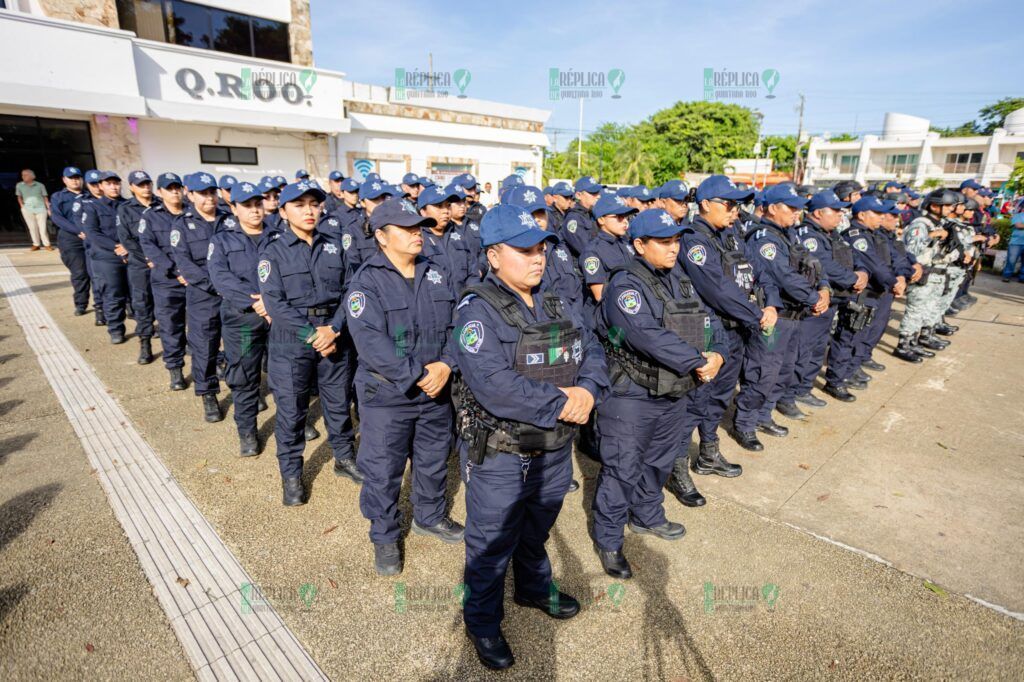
<point>908,152</point>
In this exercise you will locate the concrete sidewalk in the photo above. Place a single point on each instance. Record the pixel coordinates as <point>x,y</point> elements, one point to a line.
<point>749,593</point>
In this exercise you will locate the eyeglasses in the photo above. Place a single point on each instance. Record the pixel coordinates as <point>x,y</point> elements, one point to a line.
<point>729,204</point>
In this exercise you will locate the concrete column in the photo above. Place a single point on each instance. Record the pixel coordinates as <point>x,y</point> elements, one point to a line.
<point>115,141</point>
<point>866,143</point>
<point>300,35</point>
<point>93,12</point>
<point>990,158</point>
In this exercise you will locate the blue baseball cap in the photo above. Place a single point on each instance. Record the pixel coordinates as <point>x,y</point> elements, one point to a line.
<point>372,176</point>
<point>654,222</point>
<point>526,196</point>
<point>267,184</point>
<point>243,191</point>
<point>138,177</point>
<point>892,183</point>
<point>372,189</point>
<point>280,181</point>
<point>513,180</point>
<point>911,194</point>
<point>970,183</point>
<point>109,175</point>
<point>610,204</point>
<point>826,198</point>
<point>302,188</point>
<point>587,184</point>
<point>165,180</point>
<point>335,175</point>
<point>759,198</point>
<point>349,185</point>
<point>197,182</point>
<point>643,193</point>
<point>92,176</point>
<point>869,202</point>
<point>562,189</point>
<point>457,191</point>
<point>434,195</point>
<point>227,181</point>
<point>72,172</point>
<point>624,192</point>
<point>721,187</point>
<point>784,193</point>
<point>301,174</point>
<point>674,189</point>
<point>890,207</point>
<point>512,225</point>
<point>400,212</point>
<point>467,181</point>
<point>411,179</point>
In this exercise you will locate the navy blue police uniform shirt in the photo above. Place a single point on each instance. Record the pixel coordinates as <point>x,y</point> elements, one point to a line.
<point>486,357</point>
<point>881,278</point>
<point>701,260</point>
<point>561,277</point>
<point>65,207</point>
<point>129,214</point>
<point>769,247</point>
<point>234,256</point>
<point>455,254</point>
<point>631,308</point>
<point>154,231</point>
<point>272,221</point>
<point>901,260</point>
<point>400,327</point>
<point>578,229</point>
<point>99,222</point>
<point>295,277</point>
<point>816,240</point>
<point>357,241</point>
<point>190,247</point>
<point>602,254</point>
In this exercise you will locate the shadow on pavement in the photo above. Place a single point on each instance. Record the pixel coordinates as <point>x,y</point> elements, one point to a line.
<point>8,446</point>
<point>18,512</point>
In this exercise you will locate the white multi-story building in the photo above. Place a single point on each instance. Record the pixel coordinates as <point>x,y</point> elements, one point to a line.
<point>908,152</point>
<point>227,87</point>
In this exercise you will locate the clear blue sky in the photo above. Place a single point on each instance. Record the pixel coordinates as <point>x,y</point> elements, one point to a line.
<point>853,61</point>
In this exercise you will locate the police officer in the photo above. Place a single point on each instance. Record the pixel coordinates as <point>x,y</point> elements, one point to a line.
<point>99,222</point>
<point>70,238</point>
<point>349,200</point>
<point>851,345</point>
<point>803,291</point>
<point>469,230</point>
<point>660,349</point>
<point>965,236</point>
<point>335,197</point>
<point>851,192</point>
<point>716,263</point>
<point>561,201</point>
<point>818,235</point>
<point>400,307</point>
<point>560,273</point>
<point>533,372</point>
<point>674,197</point>
<point>357,239</point>
<point>301,174</point>
<point>412,185</point>
<point>224,186</point>
<point>608,249</point>
<point>442,243</point>
<point>302,276</point>
<point>190,247</point>
<point>474,209</point>
<point>129,213</point>
<point>580,224</point>
<point>154,230</point>
<point>271,203</point>
<point>234,254</point>
<point>508,184</point>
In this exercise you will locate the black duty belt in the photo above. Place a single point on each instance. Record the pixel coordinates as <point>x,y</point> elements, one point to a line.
<point>322,312</point>
<point>792,314</point>
<point>248,309</point>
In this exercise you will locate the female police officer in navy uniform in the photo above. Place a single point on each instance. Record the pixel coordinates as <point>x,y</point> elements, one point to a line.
<point>234,253</point>
<point>533,372</point>
<point>301,276</point>
<point>400,307</point>
<point>663,345</point>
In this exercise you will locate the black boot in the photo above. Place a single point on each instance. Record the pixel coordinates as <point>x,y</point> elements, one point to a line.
<point>387,558</point>
<point>790,410</point>
<point>710,461</point>
<point>348,469</point>
<point>79,312</point>
<point>929,341</point>
<point>311,433</point>
<point>177,379</point>
<point>808,399</point>
<point>117,338</point>
<point>681,485</point>
<point>918,348</point>
<point>145,350</point>
<point>840,392</point>
<point>670,530</point>
<point>447,531</point>
<point>947,325</point>
<point>249,444</point>
<point>574,485</point>
<point>211,408</point>
<point>861,375</point>
<point>294,493</point>
<point>904,350</point>
<point>101,321</point>
<point>557,605</point>
<point>614,563</point>
<point>261,405</point>
<point>494,652</point>
<point>773,429</point>
<point>872,365</point>
<point>747,440</point>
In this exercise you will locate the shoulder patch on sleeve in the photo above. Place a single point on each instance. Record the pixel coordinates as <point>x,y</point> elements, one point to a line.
<point>571,226</point>
<point>768,251</point>
<point>860,244</point>
<point>209,251</point>
<point>346,241</point>
<point>811,244</point>
<point>175,238</point>
<point>629,301</point>
<point>697,255</point>
<point>356,303</point>
<point>142,225</point>
<point>591,264</point>
<point>472,336</point>
<point>263,270</point>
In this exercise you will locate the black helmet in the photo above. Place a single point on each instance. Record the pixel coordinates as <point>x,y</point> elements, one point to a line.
<point>845,188</point>
<point>940,197</point>
<point>970,205</point>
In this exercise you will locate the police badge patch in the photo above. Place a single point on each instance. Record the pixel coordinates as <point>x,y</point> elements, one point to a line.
<point>562,255</point>
<point>263,270</point>
<point>356,303</point>
<point>571,226</point>
<point>472,336</point>
<point>175,238</point>
<point>346,241</point>
<point>434,276</point>
<point>209,251</point>
<point>811,244</point>
<point>629,301</point>
<point>591,264</point>
<point>142,225</point>
<point>330,248</point>
<point>860,244</point>
<point>768,251</point>
<point>697,255</point>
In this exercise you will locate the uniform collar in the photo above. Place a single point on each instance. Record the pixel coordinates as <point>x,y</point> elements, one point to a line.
<point>379,260</point>
<point>610,238</point>
<point>536,294</point>
<point>290,238</point>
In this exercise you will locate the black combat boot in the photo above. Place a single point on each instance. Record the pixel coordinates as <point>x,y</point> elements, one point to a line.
<point>294,493</point>
<point>211,408</point>
<point>681,485</point>
<point>710,461</point>
<point>916,346</point>
<point>145,350</point>
<point>840,392</point>
<point>614,563</point>
<point>177,379</point>
<point>248,444</point>
<point>904,350</point>
<point>930,341</point>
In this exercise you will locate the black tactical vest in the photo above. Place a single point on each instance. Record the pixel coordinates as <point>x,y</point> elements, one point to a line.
<point>842,253</point>
<point>548,352</point>
<point>882,245</point>
<point>684,316</point>
<point>735,265</point>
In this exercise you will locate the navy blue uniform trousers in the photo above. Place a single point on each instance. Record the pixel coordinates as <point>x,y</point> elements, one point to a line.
<point>142,299</point>
<point>874,331</point>
<point>169,308</point>
<point>112,276</point>
<point>767,359</point>
<point>245,344</point>
<point>717,394</point>
<point>72,254</point>
<point>811,342</point>
<point>203,333</point>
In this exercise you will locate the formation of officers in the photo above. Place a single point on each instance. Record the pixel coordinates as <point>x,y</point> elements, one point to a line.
<point>617,322</point>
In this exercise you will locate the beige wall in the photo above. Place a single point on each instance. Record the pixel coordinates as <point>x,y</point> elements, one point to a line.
<point>300,35</point>
<point>95,12</point>
<point>115,144</point>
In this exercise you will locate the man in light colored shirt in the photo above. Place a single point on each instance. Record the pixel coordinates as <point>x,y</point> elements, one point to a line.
<point>35,207</point>
<point>1015,249</point>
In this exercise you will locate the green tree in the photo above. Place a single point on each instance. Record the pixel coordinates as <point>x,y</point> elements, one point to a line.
<point>1016,180</point>
<point>993,115</point>
<point>699,137</point>
<point>843,137</point>
<point>784,150</point>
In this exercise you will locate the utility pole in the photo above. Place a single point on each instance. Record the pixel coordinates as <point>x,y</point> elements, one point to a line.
<point>798,170</point>
<point>579,147</point>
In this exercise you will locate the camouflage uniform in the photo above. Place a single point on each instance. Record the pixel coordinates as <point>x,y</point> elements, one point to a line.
<point>964,233</point>
<point>923,300</point>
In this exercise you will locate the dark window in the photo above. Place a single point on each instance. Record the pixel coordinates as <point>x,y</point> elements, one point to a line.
<point>231,32</point>
<point>271,40</point>
<point>243,156</point>
<point>216,29</point>
<point>191,25</point>
<point>145,18</point>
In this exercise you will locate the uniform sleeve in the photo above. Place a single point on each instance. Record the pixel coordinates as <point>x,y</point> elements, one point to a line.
<point>195,274</point>
<point>368,326</point>
<point>593,372</point>
<point>865,259</point>
<point>642,331</point>
<point>224,280</point>
<point>58,207</point>
<point>787,279</point>
<point>722,295</point>
<point>274,297</point>
<point>574,233</point>
<point>595,271</point>
<point>155,254</point>
<point>127,231</point>
<point>492,377</point>
<point>90,222</point>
